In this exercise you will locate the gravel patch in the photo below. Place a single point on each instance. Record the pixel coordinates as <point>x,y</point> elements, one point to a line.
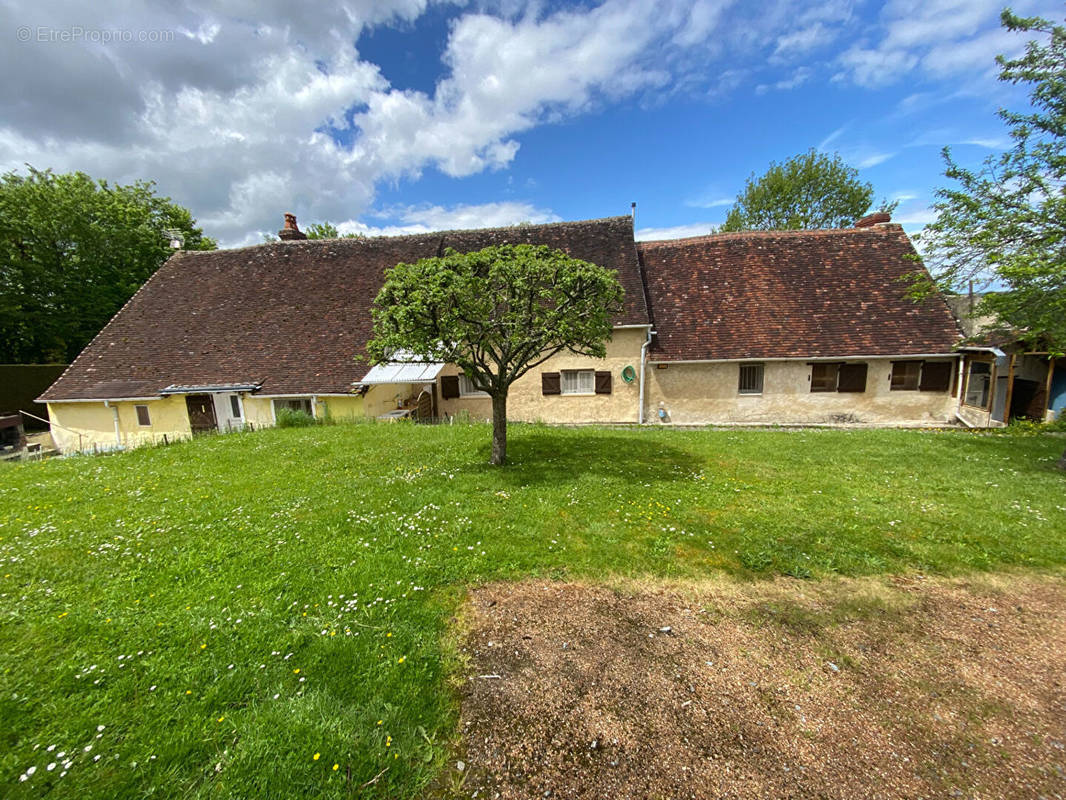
<point>902,688</point>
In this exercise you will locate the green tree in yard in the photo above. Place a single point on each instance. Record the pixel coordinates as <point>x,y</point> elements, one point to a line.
<point>811,190</point>
<point>496,313</point>
<point>1005,222</point>
<point>73,250</point>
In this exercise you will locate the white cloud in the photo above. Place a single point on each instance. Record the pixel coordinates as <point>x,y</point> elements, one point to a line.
<point>872,160</point>
<point>802,41</point>
<point>241,120</point>
<point>799,77</point>
<point>937,38</point>
<point>875,67</point>
<point>920,215</point>
<point>832,137</point>
<point>422,219</point>
<point>260,107</point>
<point>675,232</point>
<point>990,143</point>
<point>709,202</point>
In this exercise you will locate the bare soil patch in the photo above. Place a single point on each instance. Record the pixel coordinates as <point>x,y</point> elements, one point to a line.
<point>841,689</point>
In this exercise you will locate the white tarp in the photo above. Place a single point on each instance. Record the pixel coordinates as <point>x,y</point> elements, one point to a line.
<point>403,370</point>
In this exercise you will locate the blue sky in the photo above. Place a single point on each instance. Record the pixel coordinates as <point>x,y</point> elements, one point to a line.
<point>388,116</point>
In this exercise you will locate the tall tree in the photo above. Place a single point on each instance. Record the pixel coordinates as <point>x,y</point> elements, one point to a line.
<point>73,250</point>
<point>1005,222</point>
<point>497,313</point>
<point>811,190</point>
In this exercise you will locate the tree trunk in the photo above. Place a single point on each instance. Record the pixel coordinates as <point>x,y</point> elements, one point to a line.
<point>499,429</point>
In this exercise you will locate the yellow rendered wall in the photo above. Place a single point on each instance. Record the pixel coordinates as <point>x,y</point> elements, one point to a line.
<point>96,424</point>
<point>526,402</point>
<point>258,412</point>
<point>707,393</point>
<point>340,408</point>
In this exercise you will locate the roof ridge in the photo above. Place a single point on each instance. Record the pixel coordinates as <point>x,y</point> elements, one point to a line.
<point>409,236</point>
<point>811,232</point>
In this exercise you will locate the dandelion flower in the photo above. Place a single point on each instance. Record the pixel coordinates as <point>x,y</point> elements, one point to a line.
<point>401,659</point>
<point>316,756</point>
<point>221,718</point>
<point>296,671</point>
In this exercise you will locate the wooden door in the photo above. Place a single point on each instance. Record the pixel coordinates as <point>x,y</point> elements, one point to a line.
<point>201,413</point>
<point>424,407</point>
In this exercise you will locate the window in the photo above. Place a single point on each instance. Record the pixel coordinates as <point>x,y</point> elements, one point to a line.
<point>295,403</point>
<point>143,418</point>
<point>235,406</point>
<point>578,381</point>
<point>750,379</point>
<point>466,388</point>
<point>905,375</point>
<point>824,377</point>
<point>978,384</point>
<point>838,377</point>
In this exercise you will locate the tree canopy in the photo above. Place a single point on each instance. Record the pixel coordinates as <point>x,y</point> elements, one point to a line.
<point>1004,223</point>
<point>810,190</point>
<point>327,230</point>
<point>73,250</point>
<point>497,313</point>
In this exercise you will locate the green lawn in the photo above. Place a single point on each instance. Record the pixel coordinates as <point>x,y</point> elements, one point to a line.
<point>267,614</point>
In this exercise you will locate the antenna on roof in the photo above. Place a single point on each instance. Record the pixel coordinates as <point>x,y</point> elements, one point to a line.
<point>177,238</point>
<point>633,211</point>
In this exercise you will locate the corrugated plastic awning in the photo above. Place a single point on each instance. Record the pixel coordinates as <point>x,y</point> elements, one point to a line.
<point>403,370</point>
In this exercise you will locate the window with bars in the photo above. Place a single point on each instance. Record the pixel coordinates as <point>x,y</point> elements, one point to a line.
<point>750,379</point>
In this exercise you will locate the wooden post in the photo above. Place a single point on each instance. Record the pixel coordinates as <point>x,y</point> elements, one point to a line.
<point>1047,386</point>
<point>1010,388</point>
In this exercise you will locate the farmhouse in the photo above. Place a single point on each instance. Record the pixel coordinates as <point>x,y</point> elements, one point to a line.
<point>806,327</point>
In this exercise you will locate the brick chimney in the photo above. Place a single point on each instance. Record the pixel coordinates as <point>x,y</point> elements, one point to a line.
<point>290,232</point>
<point>877,218</point>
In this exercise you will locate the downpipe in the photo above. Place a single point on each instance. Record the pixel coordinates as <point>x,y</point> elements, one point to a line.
<point>643,358</point>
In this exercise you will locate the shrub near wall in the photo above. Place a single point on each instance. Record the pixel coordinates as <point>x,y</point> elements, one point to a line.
<point>21,384</point>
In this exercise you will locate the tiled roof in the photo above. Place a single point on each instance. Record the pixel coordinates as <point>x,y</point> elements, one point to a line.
<point>790,294</point>
<point>292,316</point>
